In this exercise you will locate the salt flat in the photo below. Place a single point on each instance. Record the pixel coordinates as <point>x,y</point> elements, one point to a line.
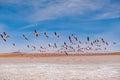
<point>61,68</point>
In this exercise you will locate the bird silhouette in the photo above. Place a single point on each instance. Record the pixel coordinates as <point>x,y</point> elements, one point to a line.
<point>5,35</point>
<point>55,45</point>
<point>46,35</point>
<point>25,37</point>
<point>3,38</point>
<point>57,35</point>
<point>36,33</point>
<point>88,39</point>
<point>14,44</point>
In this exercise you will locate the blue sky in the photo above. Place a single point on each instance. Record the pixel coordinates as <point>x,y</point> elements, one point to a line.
<point>94,18</point>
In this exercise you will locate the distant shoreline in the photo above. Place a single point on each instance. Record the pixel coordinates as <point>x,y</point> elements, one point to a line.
<point>54,54</point>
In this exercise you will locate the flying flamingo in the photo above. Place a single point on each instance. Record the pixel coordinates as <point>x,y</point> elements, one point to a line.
<point>36,33</point>
<point>25,37</point>
<point>14,44</point>
<point>66,52</point>
<point>28,46</point>
<point>70,39</point>
<point>76,38</point>
<point>49,45</point>
<point>88,39</point>
<point>46,34</point>
<point>57,35</point>
<point>4,36</point>
<point>55,45</point>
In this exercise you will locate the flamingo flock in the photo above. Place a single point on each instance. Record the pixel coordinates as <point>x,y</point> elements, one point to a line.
<point>73,44</point>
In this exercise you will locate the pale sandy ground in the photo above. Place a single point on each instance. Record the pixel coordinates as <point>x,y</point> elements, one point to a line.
<point>61,68</point>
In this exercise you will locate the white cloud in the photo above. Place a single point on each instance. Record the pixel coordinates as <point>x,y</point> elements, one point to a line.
<point>28,26</point>
<point>109,15</point>
<point>40,10</point>
<point>45,10</point>
<point>66,8</point>
<point>77,8</point>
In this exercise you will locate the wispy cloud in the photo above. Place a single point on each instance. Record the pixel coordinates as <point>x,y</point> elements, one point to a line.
<point>108,15</point>
<point>28,26</point>
<point>66,8</point>
<point>40,10</point>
